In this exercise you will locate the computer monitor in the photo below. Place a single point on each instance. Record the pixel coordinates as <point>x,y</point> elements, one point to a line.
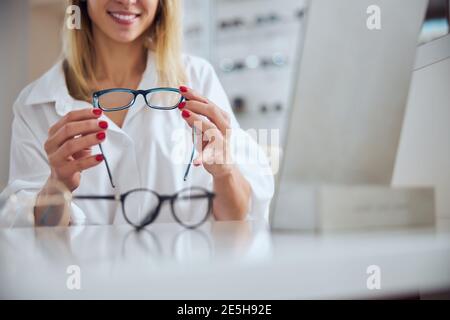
<point>349,98</point>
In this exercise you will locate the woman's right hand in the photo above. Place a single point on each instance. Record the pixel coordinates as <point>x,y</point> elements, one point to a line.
<point>69,144</point>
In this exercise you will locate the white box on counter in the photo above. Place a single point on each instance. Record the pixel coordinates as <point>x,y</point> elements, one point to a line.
<point>349,207</point>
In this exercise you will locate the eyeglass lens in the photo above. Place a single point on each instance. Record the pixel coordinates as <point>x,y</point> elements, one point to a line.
<point>190,207</point>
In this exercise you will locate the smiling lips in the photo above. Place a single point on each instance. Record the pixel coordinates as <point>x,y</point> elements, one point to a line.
<point>124,18</point>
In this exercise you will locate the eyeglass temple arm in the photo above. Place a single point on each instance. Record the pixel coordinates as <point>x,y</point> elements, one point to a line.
<point>206,196</point>
<point>194,140</point>
<point>110,197</point>
<point>96,105</point>
<point>107,166</point>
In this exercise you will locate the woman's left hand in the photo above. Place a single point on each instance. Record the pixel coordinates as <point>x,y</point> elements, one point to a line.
<point>212,125</point>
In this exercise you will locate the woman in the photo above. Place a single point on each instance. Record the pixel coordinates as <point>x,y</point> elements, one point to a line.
<point>56,131</point>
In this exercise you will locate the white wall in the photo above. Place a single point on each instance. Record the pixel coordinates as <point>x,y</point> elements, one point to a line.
<point>30,42</point>
<point>13,70</point>
<point>45,38</point>
<point>424,152</point>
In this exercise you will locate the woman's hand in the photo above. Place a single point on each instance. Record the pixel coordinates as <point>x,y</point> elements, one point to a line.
<point>69,144</point>
<point>212,124</point>
<point>68,149</point>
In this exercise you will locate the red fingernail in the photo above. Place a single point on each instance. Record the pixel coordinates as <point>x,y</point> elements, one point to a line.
<point>103,124</point>
<point>101,136</point>
<point>182,105</point>
<point>97,112</point>
<point>99,157</point>
<point>186,114</point>
<point>184,89</point>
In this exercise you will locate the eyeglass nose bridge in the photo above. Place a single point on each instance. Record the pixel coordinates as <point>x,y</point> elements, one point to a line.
<point>141,92</point>
<point>136,94</point>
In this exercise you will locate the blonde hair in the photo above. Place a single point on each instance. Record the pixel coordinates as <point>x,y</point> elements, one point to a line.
<point>164,38</point>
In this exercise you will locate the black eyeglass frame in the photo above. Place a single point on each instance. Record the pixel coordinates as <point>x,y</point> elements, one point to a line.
<point>96,103</point>
<point>96,97</point>
<point>151,217</point>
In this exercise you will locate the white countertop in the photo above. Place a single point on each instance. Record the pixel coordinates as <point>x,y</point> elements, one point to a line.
<point>221,260</point>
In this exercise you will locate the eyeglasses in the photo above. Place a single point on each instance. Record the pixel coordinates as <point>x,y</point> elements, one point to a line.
<point>118,99</point>
<point>140,207</point>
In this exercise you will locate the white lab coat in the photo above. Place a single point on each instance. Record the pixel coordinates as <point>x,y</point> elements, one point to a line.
<point>145,152</point>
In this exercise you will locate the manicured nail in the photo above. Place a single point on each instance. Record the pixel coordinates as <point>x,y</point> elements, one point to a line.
<point>103,124</point>
<point>97,112</point>
<point>184,89</point>
<point>182,105</point>
<point>99,157</point>
<point>101,136</point>
<point>186,114</point>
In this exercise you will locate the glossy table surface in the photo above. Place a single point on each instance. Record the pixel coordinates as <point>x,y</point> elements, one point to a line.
<point>220,260</point>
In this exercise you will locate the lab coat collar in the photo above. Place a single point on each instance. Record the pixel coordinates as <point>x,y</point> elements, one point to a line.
<point>51,87</point>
